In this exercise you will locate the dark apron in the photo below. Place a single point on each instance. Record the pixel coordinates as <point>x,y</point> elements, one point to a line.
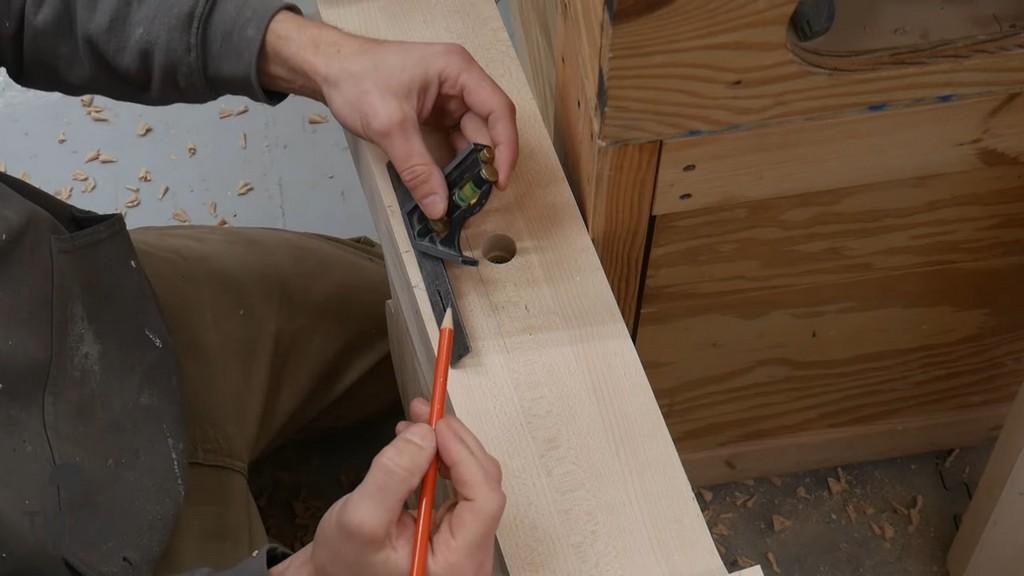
<point>91,411</point>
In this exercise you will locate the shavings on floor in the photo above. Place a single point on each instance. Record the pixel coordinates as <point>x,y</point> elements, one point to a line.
<point>132,188</point>
<point>64,193</point>
<point>745,562</point>
<point>26,177</point>
<point>776,481</point>
<point>145,175</point>
<point>213,208</point>
<point>949,459</point>
<point>243,141</point>
<point>163,192</point>
<point>62,138</point>
<point>86,101</point>
<point>773,561</point>
<point>90,185</point>
<point>181,216</point>
<point>143,129</point>
<point>3,167</point>
<point>92,156</point>
<point>706,495</point>
<point>721,530</point>
<point>133,201</point>
<point>79,176</point>
<point>780,523</point>
<point>801,492</point>
<point>222,222</point>
<point>244,187</point>
<point>97,117</point>
<point>107,159</point>
<point>316,119</point>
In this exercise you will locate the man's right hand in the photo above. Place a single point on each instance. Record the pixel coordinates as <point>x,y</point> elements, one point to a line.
<point>369,532</point>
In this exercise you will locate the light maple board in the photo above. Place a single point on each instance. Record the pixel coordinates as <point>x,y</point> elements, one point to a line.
<point>553,387</point>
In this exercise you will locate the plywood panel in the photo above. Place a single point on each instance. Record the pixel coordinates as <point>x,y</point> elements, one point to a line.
<point>553,387</point>
<point>809,320</point>
<point>686,67</point>
<point>941,138</point>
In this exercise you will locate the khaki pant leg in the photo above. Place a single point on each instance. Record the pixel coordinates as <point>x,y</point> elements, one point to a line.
<point>270,328</point>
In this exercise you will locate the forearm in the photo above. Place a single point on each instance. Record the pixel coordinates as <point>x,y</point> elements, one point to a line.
<point>147,51</point>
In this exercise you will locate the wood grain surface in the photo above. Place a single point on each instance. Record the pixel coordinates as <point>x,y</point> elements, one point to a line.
<point>680,68</point>
<point>832,312</point>
<point>553,386</point>
<point>727,169</point>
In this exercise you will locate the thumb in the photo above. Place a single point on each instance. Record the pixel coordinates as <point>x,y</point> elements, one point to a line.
<point>393,475</point>
<point>405,147</point>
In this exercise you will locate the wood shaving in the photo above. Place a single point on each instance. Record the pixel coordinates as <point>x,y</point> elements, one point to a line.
<point>181,216</point>
<point>241,110</point>
<point>145,175</point>
<point>801,492</point>
<point>133,201</point>
<point>26,177</point>
<point>64,193</point>
<point>837,487</point>
<point>721,530</point>
<point>915,519</point>
<point>918,502</point>
<point>97,117</point>
<point>949,459</point>
<point>749,503</point>
<point>244,187</point>
<point>90,185</point>
<point>748,482</point>
<point>842,475</point>
<point>888,531</point>
<point>708,513</point>
<point>94,109</point>
<point>726,516</point>
<point>851,512</point>
<point>316,119</point>
<point>213,208</point>
<point>95,155</point>
<point>740,498</point>
<point>191,149</point>
<point>163,192</point>
<point>225,113</point>
<point>899,509</point>
<point>745,562</point>
<point>773,561</point>
<point>222,222</point>
<point>875,528</point>
<point>706,495</point>
<point>143,129</point>
<point>3,167</point>
<point>86,100</point>
<point>132,188</point>
<point>62,138</point>
<point>866,508</point>
<point>107,159</point>
<point>780,523</point>
<point>776,481</point>
<point>79,176</point>
<point>243,141</point>
<point>721,549</point>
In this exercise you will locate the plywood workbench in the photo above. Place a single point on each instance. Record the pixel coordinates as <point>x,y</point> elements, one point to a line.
<point>817,245</point>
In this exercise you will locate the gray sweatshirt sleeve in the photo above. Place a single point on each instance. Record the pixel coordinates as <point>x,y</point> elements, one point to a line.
<point>147,51</point>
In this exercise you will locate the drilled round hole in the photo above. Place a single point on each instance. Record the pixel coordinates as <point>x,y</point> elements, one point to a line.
<point>499,249</point>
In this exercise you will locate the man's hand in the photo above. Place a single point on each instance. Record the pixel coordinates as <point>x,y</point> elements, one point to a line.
<point>384,91</point>
<point>370,533</point>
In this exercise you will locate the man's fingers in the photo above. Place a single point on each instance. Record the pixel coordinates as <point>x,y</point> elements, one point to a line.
<point>473,443</point>
<point>419,410</point>
<point>375,505</point>
<point>481,500</point>
<point>404,146</point>
<point>487,100</point>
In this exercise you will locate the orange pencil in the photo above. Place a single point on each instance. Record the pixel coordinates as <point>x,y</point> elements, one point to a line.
<point>437,399</point>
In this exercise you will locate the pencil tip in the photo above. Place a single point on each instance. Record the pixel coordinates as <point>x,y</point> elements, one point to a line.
<point>447,322</point>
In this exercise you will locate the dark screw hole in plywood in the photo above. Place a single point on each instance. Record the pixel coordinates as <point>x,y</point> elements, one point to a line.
<point>685,196</point>
<point>689,168</point>
<point>499,249</point>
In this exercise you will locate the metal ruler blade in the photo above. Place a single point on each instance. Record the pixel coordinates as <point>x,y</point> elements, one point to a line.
<point>435,277</point>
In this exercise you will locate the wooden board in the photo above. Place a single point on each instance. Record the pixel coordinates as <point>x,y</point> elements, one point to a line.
<point>687,67</point>
<point>727,169</point>
<point>990,541</point>
<point>553,386</point>
<point>795,332</point>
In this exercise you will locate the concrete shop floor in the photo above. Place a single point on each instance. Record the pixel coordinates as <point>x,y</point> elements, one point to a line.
<point>868,527</point>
